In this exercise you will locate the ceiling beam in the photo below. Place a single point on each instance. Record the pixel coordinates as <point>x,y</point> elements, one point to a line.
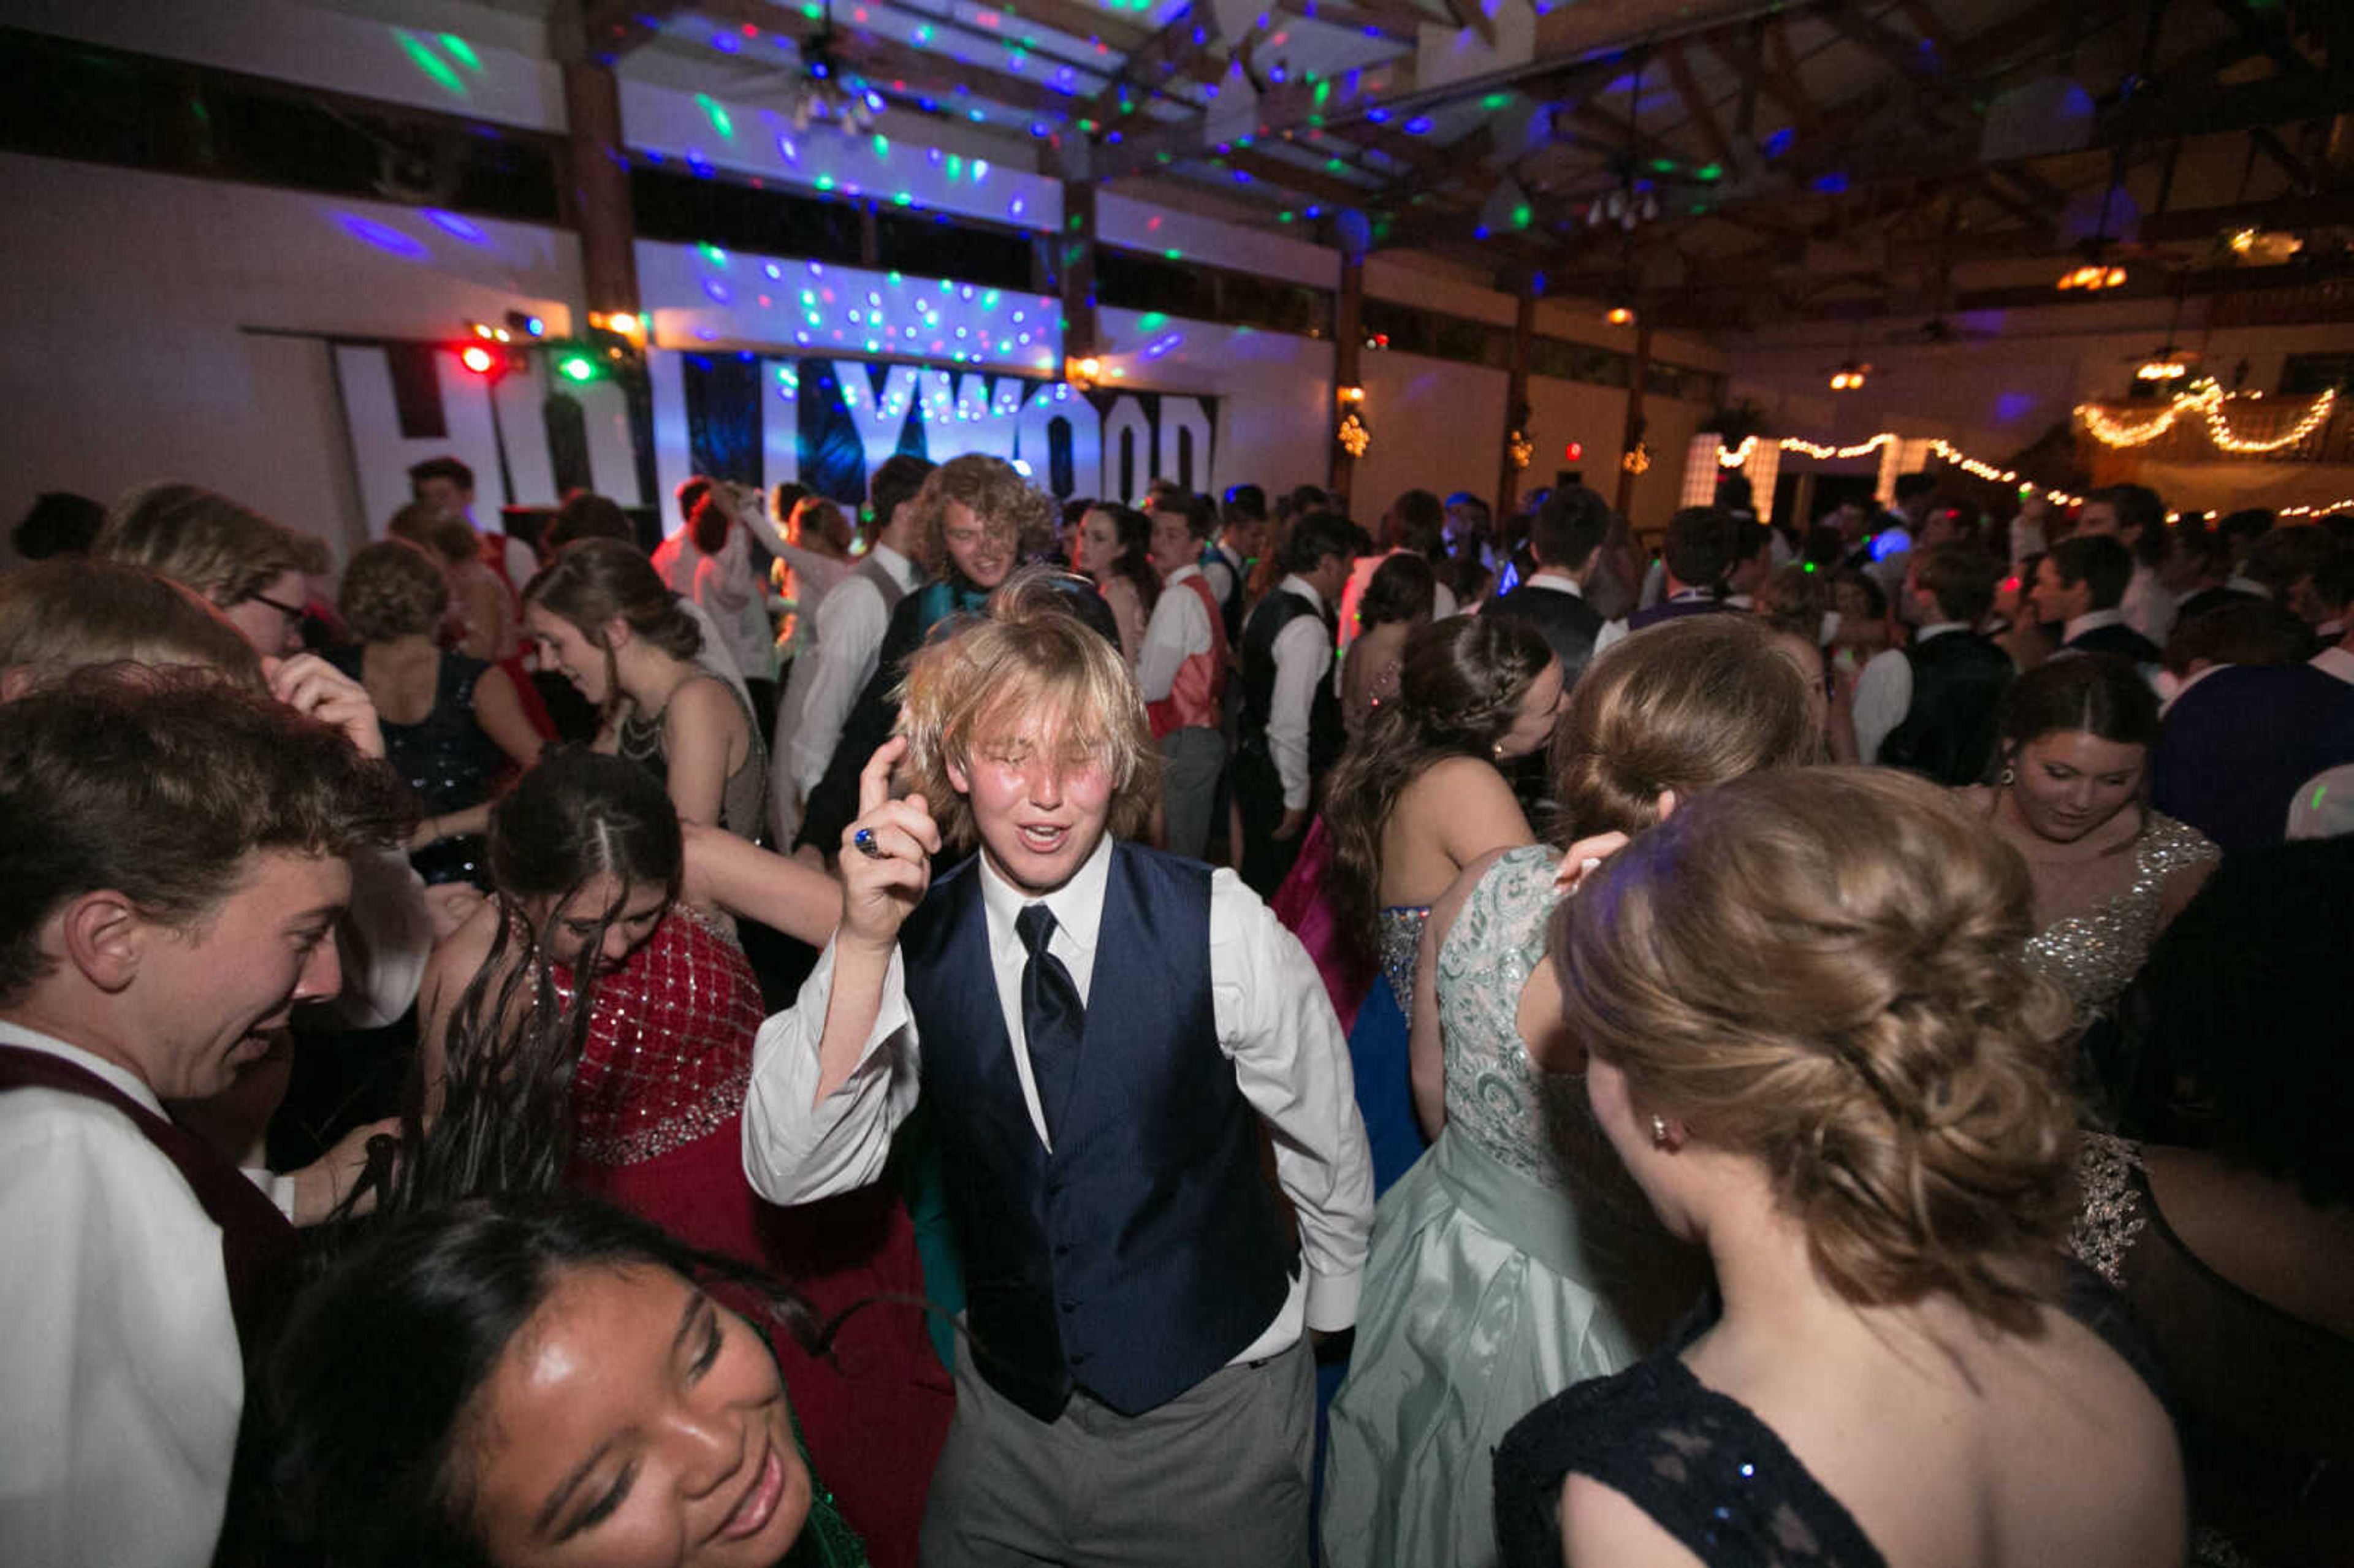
<point>1698,107</point>
<point>1285,175</point>
<point>1079,21</point>
<point>1392,20</point>
<point>613,29</point>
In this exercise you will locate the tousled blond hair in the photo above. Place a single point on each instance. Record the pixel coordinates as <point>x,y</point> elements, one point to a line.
<point>225,551</point>
<point>1028,656</point>
<point>1821,967</point>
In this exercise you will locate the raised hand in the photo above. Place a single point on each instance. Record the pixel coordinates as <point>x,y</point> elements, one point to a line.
<point>313,687</point>
<point>887,854</point>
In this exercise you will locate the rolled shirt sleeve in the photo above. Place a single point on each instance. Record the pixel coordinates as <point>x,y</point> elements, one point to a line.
<point>799,1148</point>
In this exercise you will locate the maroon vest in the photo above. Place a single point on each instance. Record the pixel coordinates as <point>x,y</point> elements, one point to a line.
<point>255,1239</point>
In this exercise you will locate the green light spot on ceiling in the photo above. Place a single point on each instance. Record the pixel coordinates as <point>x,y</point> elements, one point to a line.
<point>1334,166</point>
<point>881,146</point>
<point>1173,254</point>
<point>712,254</point>
<point>825,182</point>
<point>1520,216</point>
<point>814,12</point>
<point>1495,101</point>
<point>1151,321</point>
<point>716,112</point>
<point>436,68</point>
<point>1323,91</point>
<point>1663,165</point>
<point>955,166</point>
<point>1283,216</point>
<point>462,51</point>
<point>2320,793</point>
<point>1709,171</point>
<point>902,198</point>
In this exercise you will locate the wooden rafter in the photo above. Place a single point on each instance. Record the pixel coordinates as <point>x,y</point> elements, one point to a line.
<point>613,29</point>
<point>1697,107</point>
<point>1393,19</point>
<point>1285,175</point>
<point>1182,45</point>
<point>1079,21</point>
<point>890,65</point>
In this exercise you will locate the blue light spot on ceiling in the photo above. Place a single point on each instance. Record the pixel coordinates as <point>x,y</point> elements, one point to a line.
<point>387,239</point>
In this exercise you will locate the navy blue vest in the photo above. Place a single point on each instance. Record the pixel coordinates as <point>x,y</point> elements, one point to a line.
<point>1674,610</point>
<point>1231,605</point>
<point>1147,1251</point>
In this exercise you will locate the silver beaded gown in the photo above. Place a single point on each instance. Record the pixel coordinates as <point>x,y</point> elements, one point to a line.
<point>1513,1259</point>
<point>2095,957</point>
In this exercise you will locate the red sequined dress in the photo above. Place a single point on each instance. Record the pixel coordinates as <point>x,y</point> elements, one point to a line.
<point>657,1123</point>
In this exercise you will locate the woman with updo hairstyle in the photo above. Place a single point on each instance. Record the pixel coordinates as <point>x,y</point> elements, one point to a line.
<point>1115,553</point>
<point>604,619</point>
<point>1396,605</point>
<point>1521,1219</point>
<point>1816,1048</point>
<point>451,722</point>
<point>527,1380</point>
<point>1416,798</point>
<point>592,1028</point>
<point>2071,795</point>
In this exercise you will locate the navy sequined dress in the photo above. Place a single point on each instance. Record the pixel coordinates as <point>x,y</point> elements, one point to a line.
<point>1702,1464</point>
<point>447,758</point>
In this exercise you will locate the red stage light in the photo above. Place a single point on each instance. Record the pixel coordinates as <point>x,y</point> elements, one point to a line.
<point>1575,451</point>
<point>478,359</point>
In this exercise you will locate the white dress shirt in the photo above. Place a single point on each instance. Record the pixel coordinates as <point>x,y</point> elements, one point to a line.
<point>1303,656</point>
<point>2091,621</point>
<point>1179,629</point>
<point>2148,607</point>
<point>382,940</point>
<point>1883,691</point>
<point>1274,1020</point>
<point>850,627</point>
<point>1223,570</point>
<point>119,1373</point>
<point>1557,581</point>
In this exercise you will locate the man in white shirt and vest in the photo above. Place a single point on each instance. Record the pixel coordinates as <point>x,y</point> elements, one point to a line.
<point>826,680</point>
<point>1183,671</point>
<point>176,852</point>
<point>1134,1386</point>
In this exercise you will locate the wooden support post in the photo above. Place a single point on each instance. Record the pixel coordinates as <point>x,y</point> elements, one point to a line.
<point>1516,404</point>
<point>1348,353</point>
<point>1638,375</point>
<point>1074,269</point>
<point>598,189</point>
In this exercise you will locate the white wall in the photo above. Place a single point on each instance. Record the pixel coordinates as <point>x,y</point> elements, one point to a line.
<point>132,353</point>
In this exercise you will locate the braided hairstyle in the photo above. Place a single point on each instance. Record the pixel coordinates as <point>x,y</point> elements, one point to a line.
<point>1820,969</point>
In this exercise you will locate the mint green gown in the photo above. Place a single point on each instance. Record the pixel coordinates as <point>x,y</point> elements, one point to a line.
<point>1515,1259</point>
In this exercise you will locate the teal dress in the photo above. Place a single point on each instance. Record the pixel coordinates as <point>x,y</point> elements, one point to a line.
<point>1515,1259</point>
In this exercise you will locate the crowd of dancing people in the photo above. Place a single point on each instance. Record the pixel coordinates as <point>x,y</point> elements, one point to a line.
<point>954,1027</point>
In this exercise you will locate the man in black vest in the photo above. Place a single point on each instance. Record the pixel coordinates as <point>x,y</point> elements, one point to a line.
<point>176,852</point>
<point>1226,559</point>
<point>1564,535</point>
<point>1102,1029</point>
<point>1931,707</point>
<point>1290,732</point>
<point>2081,583</point>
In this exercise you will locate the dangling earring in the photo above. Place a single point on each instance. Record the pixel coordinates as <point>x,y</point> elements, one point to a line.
<point>1659,1130</point>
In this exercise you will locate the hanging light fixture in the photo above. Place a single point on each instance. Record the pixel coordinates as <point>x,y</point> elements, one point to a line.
<point>821,93</point>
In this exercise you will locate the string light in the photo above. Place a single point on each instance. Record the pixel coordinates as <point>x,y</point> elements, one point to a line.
<point>1353,437</point>
<point>1522,449</point>
<point>2092,278</point>
<point>1736,455</point>
<point>1638,461</point>
<point>2208,401</point>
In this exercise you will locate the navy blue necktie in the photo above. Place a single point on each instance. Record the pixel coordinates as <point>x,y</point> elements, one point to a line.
<point>1053,1017</point>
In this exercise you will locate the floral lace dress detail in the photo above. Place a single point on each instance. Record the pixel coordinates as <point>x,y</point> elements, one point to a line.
<point>1536,1122</point>
<point>2095,957</point>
